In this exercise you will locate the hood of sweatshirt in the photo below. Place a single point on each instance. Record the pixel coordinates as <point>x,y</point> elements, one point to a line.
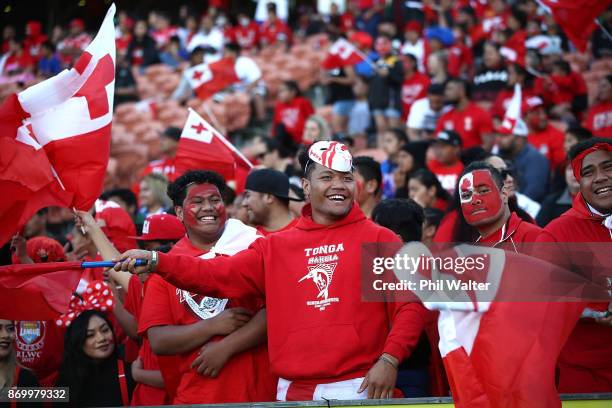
<point>306,222</point>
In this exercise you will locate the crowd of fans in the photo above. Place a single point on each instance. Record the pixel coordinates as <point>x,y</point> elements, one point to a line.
<point>424,107</point>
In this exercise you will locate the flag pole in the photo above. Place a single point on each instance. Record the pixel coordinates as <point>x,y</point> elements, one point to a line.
<point>603,29</point>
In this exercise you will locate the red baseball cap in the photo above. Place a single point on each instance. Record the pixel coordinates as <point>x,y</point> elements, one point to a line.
<point>363,39</point>
<point>531,103</point>
<point>413,25</point>
<point>161,227</point>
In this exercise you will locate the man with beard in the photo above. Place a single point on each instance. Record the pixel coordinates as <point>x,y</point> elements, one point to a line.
<point>473,123</point>
<point>585,364</point>
<point>181,325</point>
<point>531,166</point>
<point>484,204</point>
<point>324,341</point>
<point>266,200</point>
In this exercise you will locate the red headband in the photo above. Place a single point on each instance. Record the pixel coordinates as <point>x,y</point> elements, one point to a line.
<point>577,162</point>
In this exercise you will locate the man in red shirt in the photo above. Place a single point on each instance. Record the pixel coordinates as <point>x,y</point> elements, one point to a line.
<point>484,204</point>
<point>267,201</point>
<point>165,165</point>
<point>274,29</point>
<point>599,118</point>
<point>473,123</point>
<point>446,164</point>
<point>585,364</point>
<point>415,84</point>
<point>546,138</point>
<point>320,332</point>
<point>210,349</point>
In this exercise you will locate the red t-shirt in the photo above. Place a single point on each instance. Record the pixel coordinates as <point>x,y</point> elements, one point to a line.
<point>17,63</point>
<point>265,232</point>
<point>599,120</point>
<point>471,124</point>
<point>293,115</point>
<point>143,394</point>
<point>247,37</point>
<point>413,88</point>
<point>40,346</point>
<point>550,143</point>
<point>270,31</point>
<point>245,377</point>
<point>448,175</point>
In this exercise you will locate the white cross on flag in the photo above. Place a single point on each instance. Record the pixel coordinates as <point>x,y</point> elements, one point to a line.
<point>55,136</point>
<point>341,54</point>
<point>201,147</point>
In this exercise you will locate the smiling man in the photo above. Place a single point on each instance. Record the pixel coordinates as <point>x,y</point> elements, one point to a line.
<point>484,205</point>
<point>585,364</point>
<point>323,340</point>
<point>211,350</point>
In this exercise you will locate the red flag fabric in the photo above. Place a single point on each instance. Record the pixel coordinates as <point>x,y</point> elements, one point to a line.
<point>202,147</point>
<point>37,291</point>
<point>208,79</point>
<point>55,141</point>
<point>577,17</point>
<point>341,54</point>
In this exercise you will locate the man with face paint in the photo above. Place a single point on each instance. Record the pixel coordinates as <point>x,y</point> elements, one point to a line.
<point>585,364</point>
<point>211,350</point>
<point>323,340</point>
<point>484,204</point>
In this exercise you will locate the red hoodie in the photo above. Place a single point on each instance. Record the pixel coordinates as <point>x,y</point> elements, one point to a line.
<point>516,231</point>
<point>585,364</point>
<point>311,337</point>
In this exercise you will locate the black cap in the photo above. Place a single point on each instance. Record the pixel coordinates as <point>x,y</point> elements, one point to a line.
<point>269,181</point>
<point>173,133</point>
<point>449,137</point>
<point>436,89</point>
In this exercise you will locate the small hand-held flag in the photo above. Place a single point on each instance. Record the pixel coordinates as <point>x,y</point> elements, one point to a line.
<point>55,136</point>
<point>342,53</point>
<point>202,147</point>
<point>208,79</point>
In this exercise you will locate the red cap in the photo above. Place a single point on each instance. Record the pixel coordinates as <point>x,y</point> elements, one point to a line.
<point>413,25</point>
<point>363,39</point>
<point>161,227</point>
<point>116,224</point>
<point>77,22</point>
<point>531,103</point>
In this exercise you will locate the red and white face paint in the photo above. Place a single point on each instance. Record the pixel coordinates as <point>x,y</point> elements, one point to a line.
<point>481,200</point>
<point>203,208</point>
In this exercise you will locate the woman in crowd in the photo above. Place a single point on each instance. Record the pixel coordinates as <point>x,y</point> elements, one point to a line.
<point>12,375</point>
<point>152,197</point>
<point>91,366</point>
<point>425,188</point>
<point>315,130</point>
<point>410,158</point>
<point>290,114</point>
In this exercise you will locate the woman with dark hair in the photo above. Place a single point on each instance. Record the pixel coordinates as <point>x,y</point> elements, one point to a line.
<point>410,158</point>
<point>425,188</point>
<point>91,366</point>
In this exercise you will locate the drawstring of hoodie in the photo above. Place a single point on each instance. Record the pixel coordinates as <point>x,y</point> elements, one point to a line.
<point>607,219</point>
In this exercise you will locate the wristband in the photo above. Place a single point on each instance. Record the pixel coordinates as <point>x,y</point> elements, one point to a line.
<point>388,361</point>
<point>154,261</point>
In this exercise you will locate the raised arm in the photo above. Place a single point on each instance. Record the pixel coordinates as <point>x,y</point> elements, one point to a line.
<point>236,276</point>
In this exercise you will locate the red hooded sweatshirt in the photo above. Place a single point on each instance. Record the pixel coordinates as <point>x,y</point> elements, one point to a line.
<point>585,364</point>
<point>319,329</point>
<point>516,231</point>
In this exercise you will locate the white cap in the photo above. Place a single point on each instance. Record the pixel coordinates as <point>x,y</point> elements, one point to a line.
<point>333,155</point>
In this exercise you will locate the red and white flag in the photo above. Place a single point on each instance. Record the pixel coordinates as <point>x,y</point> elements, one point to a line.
<point>341,54</point>
<point>56,144</point>
<point>202,147</point>
<point>577,17</point>
<point>208,79</point>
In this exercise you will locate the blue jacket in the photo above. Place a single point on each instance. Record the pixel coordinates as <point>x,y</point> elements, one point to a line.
<point>533,172</point>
